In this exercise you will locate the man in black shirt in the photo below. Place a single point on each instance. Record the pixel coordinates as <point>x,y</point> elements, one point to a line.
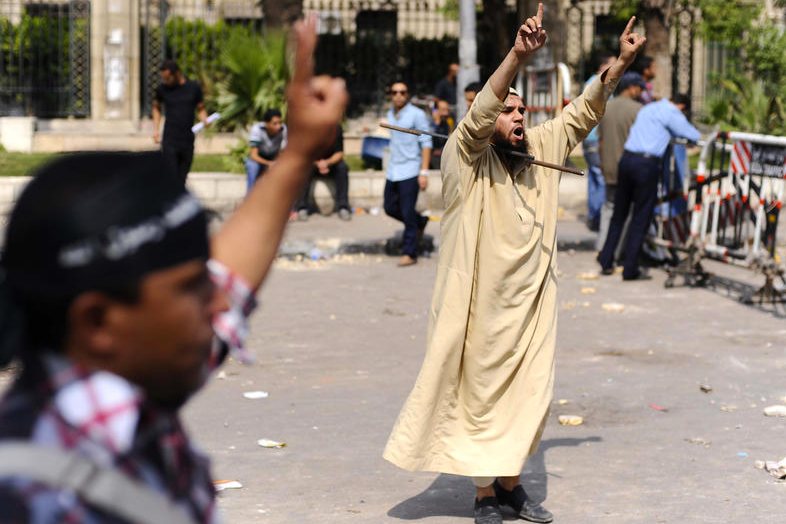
<point>331,164</point>
<point>446,87</point>
<point>180,98</point>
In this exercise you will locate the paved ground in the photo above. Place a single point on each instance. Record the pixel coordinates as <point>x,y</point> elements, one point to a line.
<point>340,343</point>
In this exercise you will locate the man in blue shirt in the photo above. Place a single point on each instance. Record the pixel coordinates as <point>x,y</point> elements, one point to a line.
<point>639,169</point>
<point>596,186</point>
<point>407,170</point>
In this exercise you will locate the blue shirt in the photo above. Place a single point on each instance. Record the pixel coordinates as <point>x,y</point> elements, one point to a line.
<point>655,126</point>
<point>593,135</point>
<point>405,149</point>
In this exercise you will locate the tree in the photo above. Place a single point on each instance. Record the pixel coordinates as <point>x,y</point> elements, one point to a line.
<point>281,13</point>
<point>657,16</point>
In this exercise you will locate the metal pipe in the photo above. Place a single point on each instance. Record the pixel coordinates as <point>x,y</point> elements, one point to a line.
<point>527,158</point>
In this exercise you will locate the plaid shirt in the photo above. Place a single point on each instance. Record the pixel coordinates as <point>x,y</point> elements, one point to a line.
<point>57,403</point>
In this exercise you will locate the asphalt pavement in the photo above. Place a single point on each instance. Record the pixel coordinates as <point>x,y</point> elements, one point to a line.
<point>339,343</point>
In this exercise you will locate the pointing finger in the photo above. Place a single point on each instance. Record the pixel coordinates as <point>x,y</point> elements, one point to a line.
<point>540,15</point>
<point>306,37</point>
<point>629,27</point>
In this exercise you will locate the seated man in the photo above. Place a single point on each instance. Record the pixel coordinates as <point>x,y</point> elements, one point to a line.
<point>267,139</point>
<point>331,165</point>
<point>111,293</point>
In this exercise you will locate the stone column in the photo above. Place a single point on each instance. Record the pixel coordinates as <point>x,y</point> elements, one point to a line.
<point>114,60</point>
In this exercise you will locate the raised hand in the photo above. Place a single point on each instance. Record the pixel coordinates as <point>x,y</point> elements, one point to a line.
<point>630,42</point>
<point>531,36</point>
<point>314,105</point>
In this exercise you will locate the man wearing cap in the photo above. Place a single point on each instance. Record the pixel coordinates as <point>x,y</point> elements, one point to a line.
<point>613,130</point>
<point>481,399</point>
<point>118,305</point>
<point>639,170</point>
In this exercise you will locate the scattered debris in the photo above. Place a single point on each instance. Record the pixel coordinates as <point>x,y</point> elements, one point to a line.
<point>699,440</point>
<point>562,401</point>
<point>569,305</point>
<point>614,307</point>
<point>267,443</point>
<point>728,409</point>
<point>587,290</point>
<point>590,275</point>
<point>221,485</point>
<point>571,420</point>
<point>658,408</point>
<point>778,410</point>
<point>254,395</point>
<point>586,304</point>
<point>332,317</point>
<point>221,375</point>
<point>775,469</point>
<point>705,388</point>
<point>742,454</point>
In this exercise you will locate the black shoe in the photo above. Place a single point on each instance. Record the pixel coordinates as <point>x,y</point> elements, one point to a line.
<point>344,214</point>
<point>604,270</point>
<point>640,275</point>
<point>487,511</point>
<point>526,508</point>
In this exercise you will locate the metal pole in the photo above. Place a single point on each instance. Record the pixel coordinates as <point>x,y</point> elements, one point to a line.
<point>468,54</point>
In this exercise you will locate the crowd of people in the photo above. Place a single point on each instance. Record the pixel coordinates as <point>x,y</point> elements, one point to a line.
<point>626,157</point>
<point>120,306</point>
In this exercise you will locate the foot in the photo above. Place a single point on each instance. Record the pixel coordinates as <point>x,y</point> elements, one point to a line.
<point>639,275</point>
<point>344,214</point>
<point>302,215</point>
<point>526,508</point>
<point>593,224</point>
<point>605,270</point>
<point>487,511</point>
<point>406,260</point>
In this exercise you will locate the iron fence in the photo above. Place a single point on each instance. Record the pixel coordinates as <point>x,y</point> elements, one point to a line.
<point>45,58</point>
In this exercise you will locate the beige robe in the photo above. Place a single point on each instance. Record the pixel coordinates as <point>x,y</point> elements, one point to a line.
<point>481,399</point>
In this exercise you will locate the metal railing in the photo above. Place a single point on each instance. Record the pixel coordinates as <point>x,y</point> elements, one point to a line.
<point>45,58</point>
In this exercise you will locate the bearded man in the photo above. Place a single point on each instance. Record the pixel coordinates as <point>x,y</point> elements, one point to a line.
<point>482,397</point>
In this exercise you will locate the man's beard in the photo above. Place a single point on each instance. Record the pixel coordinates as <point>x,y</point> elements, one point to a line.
<point>505,150</point>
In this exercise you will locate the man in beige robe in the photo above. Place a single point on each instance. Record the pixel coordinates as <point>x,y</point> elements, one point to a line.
<point>480,403</point>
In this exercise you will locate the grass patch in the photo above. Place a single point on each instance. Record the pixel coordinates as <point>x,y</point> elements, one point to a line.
<point>20,164</point>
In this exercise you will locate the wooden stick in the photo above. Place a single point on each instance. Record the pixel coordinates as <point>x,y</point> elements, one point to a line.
<point>527,158</point>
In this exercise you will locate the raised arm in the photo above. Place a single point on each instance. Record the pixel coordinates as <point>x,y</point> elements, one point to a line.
<point>475,129</point>
<point>249,241</point>
<point>580,116</point>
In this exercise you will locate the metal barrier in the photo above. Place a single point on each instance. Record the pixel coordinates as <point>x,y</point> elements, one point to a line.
<point>730,210</point>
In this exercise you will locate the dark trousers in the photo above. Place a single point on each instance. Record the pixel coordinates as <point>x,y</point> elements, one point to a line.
<point>178,158</point>
<point>340,173</point>
<point>637,185</point>
<point>400,199</point>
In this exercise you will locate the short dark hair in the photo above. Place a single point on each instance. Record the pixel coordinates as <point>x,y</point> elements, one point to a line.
<point>642,63</point>
<point>399,81</point>
<point>681,98</point>
<point>270,113</point>
<point>169,65</point>
<point>472,87</point>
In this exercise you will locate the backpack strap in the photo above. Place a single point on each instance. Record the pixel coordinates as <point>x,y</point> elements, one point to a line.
<point>103,488</point>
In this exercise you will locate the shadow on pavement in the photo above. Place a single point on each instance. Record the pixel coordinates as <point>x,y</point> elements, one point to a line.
<point>452,495</point>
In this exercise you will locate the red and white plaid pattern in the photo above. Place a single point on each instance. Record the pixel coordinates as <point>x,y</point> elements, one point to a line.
<point>231,326</point>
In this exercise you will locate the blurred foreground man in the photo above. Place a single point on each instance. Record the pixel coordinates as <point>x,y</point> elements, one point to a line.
<point>117,306</point>
<point>481,400</point>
